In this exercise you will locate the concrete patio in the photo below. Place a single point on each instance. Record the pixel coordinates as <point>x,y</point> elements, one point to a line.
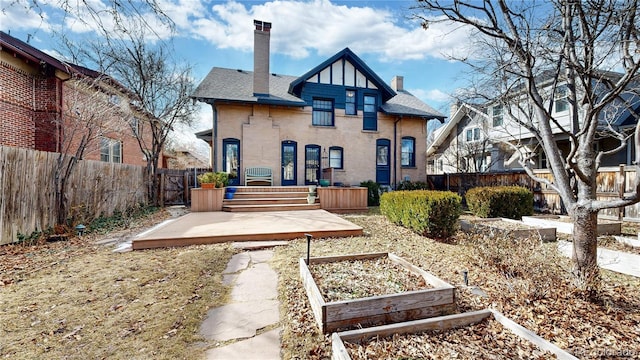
<point>215,227</point>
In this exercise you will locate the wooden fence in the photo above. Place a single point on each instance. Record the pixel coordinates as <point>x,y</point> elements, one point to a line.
<point>613,182</point>
<point>27,191</point>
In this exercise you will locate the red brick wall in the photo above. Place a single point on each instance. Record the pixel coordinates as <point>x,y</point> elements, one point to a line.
<point>16,107</point>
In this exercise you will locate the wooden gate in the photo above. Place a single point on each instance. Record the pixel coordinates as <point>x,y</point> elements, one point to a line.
<point>176,184</point>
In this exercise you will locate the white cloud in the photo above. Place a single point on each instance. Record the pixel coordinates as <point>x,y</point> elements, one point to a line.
<point>21,15</point>
<point>322,27</point>
<point>429,96</point>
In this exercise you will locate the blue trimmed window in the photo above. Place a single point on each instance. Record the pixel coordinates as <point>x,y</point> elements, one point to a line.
<point>370,116</point>
<point>408,152</point>
<point>335,157</point>
<point>350,103</point>
<point>322,112</point>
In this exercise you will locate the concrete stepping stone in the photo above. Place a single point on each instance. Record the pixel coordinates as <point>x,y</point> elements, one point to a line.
<point>237,263</point>
<point>259,282</point>
<point>265,346</point>
<point>239,320</point>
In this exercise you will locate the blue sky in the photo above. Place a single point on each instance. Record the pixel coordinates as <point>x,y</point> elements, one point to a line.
<point>305,33</point>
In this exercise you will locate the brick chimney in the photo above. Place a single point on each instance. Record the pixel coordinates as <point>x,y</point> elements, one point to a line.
<point>261,38</point>
<point>397,83</point>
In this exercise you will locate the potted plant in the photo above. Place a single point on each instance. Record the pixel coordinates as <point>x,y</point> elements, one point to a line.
<point>211,180</point>
<point>207,180</point>
<point>311,197</point>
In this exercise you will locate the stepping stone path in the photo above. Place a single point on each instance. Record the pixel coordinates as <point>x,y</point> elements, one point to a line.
<point>247,322</point>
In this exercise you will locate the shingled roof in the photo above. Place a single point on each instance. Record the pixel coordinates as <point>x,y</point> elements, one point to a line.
<point>237,86</point>
<point>234,85</point>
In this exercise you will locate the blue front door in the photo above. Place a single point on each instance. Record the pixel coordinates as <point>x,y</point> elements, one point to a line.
<point>289,163</point>
<point>383,163</point>
<point>231,159</point>
<point>311,164</point>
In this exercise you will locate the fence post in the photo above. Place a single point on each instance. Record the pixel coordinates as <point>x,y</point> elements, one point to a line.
<point>161,190</point>
<point>621,188</point>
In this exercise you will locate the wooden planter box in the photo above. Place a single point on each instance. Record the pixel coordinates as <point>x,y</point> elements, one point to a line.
<point>564,225</point>
<point>383,309</point>
<point>343,199</point>
<point>546,233</point>
<point>339,351</point>
<point>207,199</point>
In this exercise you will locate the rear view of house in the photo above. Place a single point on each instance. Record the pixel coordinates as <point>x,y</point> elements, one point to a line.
<point>338,121</point>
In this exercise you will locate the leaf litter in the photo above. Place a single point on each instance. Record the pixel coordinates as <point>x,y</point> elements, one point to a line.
<point>526,280</point>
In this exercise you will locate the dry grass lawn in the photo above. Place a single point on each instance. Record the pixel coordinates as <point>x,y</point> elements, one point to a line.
<point>77,300</point>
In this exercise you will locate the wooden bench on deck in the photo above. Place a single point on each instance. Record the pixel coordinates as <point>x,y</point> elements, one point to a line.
<point>258,174</point>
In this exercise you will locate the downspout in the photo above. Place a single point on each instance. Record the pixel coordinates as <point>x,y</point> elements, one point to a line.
<point>214,140</point>
<point>395,151</point>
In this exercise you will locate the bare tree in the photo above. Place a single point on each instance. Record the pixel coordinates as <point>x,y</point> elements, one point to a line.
<point>88,113</point>
<point>161,86</point>
<point>586,51</point>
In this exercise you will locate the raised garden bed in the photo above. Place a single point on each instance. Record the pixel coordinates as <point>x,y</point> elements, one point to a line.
<point>438,299</point>
<point>509,227</point>
<point>564,224</point>
<point>485,329</point>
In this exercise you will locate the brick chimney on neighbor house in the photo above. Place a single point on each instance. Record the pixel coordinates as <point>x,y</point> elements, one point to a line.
<point>261,39</point>
<point>397,83</point>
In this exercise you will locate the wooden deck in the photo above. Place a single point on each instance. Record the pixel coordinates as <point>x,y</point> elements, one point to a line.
<point>220,226</point>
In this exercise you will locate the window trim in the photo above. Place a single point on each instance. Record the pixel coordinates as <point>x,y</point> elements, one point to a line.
<point>497,118</point>
<point>341,151</point>
<point>315,110</point>
<point>470,134</point>
<point>372,116</point>
<point>412,154</point>
<point>110,145</point>
<point>561,98</point>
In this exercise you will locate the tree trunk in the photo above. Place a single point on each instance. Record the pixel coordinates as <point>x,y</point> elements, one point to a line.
<point>585,247</point>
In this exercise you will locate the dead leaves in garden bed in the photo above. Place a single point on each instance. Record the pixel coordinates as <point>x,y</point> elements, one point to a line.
<point>356,279</point>
<point>526,281</point>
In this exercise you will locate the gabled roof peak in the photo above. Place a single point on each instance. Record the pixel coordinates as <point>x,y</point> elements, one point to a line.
<point>346,53</point>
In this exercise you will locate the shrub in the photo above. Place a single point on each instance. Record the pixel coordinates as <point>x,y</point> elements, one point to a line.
<point>408,185</point>
<point>427,212</point>
<point>511,202</point>
<point>373,193</point>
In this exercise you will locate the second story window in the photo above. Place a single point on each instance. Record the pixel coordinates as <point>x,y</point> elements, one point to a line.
<point>408,152</point>
<point>473,134</point>
<point>322,112</point>
<point>561,103</point>
<point>370,110</point>
<point>350,103</point>
<point>497,116</point>
<point>110,150</point>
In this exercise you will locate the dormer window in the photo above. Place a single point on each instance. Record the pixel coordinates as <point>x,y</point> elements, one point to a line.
<point>350,103</point>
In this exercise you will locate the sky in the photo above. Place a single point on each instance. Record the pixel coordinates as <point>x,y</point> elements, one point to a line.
<point>384,34</point>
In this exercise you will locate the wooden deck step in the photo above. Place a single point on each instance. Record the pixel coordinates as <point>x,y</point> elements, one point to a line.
<point>265,201</point>
<point>268,195</point>
<point>275,207</point>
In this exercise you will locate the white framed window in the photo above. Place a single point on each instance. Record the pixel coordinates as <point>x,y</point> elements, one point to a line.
<point>135,126</point>
<point>497,115</point>
<point>561,102</point>
<point>472,134</point>
<point>110,150</point>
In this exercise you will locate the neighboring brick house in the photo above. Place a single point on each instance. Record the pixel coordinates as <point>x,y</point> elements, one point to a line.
<point>340,116</point>
<point>50,105</point>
